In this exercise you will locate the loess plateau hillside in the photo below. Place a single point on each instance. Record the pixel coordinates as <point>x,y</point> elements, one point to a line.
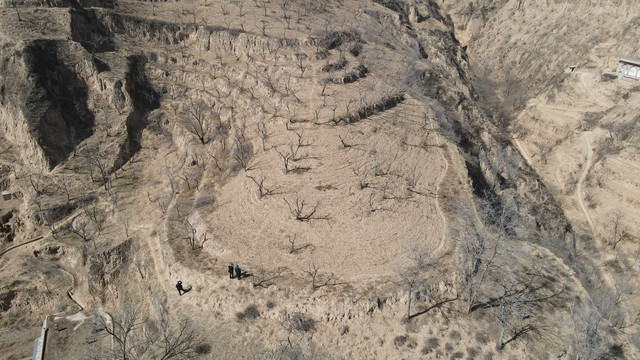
<point>396,179</point>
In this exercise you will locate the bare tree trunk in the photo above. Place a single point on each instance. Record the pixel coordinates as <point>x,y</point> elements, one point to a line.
<point>409,302</point>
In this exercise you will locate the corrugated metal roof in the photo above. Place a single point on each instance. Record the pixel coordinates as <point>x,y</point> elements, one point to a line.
<point>630,60</point>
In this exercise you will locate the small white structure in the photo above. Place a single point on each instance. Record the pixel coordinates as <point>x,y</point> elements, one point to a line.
<point>629,68</point>
<point>6,195</point>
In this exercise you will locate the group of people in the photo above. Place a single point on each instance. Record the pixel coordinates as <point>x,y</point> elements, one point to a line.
<point>237,270</point>
<point>232,270</point>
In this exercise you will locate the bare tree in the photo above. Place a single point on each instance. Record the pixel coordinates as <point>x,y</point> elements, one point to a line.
<point>217,159</point>
<point>200,121</point>
<point>133,335</point>
<point>616,218</point>
<point>221,132</point>
<point>191,235</point>
<point>589,338</point>
<point>292,242</point>
<point>316,114</point>
<point>263,190</point>
<point>617,304</point>
<point>299,211</point>
<point>63,185</point>
<point>302,63</point>
<point>344,143</point>
<point>411,274</point>
<point>35,180</point>
<point>262,277</point>
<point>292,113</point>
<point>478,245</point>
<point>289,157</point>
<point>96,40</point>
<point>126,332</point>
<point>263,132</point>
<point>240,5</point>
<point>381,163</point>
<point>163,203</point>
<point>515,304</point>
<point>93,213</point>
<point>313,270</point>
<point>413,177</point>
<point>185,175</point>
<point>224,10</point>
<point>15,4</point>
<point>94,158</point>
<point>301,142</point>
<point>179,343</point>
<point>362,173</point>
<point>51,223</point>
<point>242,153</point>
<point>81,227</point>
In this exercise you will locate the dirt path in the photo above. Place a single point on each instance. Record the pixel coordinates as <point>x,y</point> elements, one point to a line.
<point>583,176</point>
<point>588,89</point>
<point>19,245</point>
<point>437,191</point>
<point>523,151</point>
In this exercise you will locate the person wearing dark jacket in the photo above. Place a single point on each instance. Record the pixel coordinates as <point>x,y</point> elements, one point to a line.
<point>180,288</point>
<point>238,272</point>
<point>231,271</point>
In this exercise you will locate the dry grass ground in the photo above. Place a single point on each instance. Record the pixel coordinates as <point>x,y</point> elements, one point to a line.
<point>364,151</point>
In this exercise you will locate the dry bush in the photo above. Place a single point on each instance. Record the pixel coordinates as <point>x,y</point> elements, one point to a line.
<point>251,312</point>
<point>482,338</point>
<point>400,340</point>
<point>431,344</point>
<point>301,322</point>
<point>473,352</point>
<point>203,349</point>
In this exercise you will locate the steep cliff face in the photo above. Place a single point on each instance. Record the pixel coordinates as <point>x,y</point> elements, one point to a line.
<point>54,89</point>
<point>46,95</point>
<point>521,53</point>
<point>547,71</point>
<point>525,47</point>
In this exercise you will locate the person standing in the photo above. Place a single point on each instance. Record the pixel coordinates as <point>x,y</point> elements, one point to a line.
<point>230,270</point>
<point>238,272</point>
<point>180,288</point>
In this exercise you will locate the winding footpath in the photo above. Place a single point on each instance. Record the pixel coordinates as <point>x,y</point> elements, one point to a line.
<point>437,192</point>
<point>523,151</point>
<point>583,176</point>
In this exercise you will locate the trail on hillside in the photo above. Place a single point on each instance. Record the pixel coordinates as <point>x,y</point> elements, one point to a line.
<point>523,151</point>
<point>437,192</point>
<point>583,176</point>
<point>591,94</point>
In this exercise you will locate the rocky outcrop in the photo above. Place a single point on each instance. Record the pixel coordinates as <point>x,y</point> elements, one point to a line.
<point>108,270</point>
<point>46,95</point>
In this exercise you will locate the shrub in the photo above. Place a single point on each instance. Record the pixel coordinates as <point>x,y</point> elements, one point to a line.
<point>431,345</point>
<point>455,335</point>
<point>400,340</point>
<point>250,312</point>
<point>473,352</point>
<point>482,338</point>
<point>302,322</point>
<point>203,349</point>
